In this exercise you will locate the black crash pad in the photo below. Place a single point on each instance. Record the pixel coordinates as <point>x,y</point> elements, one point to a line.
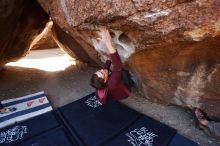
<point>110,124</point>
<point>86,122</point>
<point>180,140</point>
<point>43,130</point>
<point>93,123</point>
<point>25,130</point>
<point>144,132</point>
<point>56,137</point>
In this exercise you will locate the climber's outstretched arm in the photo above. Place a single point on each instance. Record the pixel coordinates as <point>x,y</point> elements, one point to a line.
<point>106,38</point>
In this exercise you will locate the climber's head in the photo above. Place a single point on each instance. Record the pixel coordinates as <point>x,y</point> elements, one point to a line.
<point>99,79</point>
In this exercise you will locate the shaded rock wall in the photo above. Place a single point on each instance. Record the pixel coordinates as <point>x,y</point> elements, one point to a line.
<point>172,46</point>
<point>186,77</point>
<point>20,22</point>
<point>70,45</point>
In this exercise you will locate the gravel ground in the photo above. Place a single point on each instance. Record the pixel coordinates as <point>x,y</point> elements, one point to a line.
<point>63,87</point>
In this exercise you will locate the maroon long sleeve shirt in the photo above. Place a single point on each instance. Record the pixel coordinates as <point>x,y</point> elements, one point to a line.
<point>116,89</point>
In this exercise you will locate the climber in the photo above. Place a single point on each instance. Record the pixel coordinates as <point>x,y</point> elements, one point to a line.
<point>202,122</point>
<point>118,85</point>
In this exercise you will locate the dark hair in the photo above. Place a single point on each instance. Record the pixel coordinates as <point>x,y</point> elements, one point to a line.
<point>97,82</point>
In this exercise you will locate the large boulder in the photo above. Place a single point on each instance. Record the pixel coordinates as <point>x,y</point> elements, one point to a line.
<point>171,46</point>
<point>187,77</point>
<point>20,22</point>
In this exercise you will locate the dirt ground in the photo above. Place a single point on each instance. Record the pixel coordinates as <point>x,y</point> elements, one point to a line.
<point>63,87</point>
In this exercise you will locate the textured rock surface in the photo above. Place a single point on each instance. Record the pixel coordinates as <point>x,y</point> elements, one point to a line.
<point>71,46</point>
<point>172,46</point>
<point>187,77</point>
<point>45,39</point>
<point>20,22</point>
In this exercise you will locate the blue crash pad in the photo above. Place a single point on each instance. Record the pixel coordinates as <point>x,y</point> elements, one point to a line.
<point>24,130</point>
<point>144,132</point>
<point>86,122</point>
<point>55,137</point>
<point>180,140</point>
<point>93,123</point>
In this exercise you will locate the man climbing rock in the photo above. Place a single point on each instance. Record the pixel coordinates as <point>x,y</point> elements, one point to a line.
<point>112,86</point>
